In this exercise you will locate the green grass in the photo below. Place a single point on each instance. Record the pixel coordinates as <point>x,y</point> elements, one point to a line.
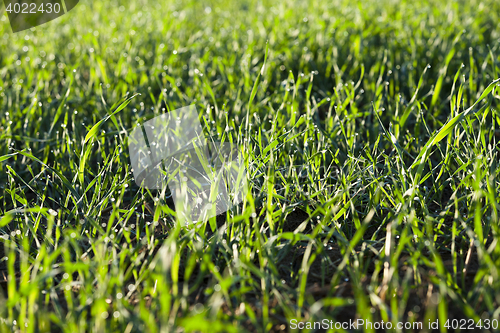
<point>370,133</point>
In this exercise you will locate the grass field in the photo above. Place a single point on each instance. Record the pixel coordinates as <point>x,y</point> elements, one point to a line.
<point>370,133</point>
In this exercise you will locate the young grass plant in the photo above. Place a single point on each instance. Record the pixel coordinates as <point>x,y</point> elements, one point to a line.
<point>370,137</point>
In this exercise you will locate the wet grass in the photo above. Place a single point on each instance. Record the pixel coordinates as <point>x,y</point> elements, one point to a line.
<point>370,133</point>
